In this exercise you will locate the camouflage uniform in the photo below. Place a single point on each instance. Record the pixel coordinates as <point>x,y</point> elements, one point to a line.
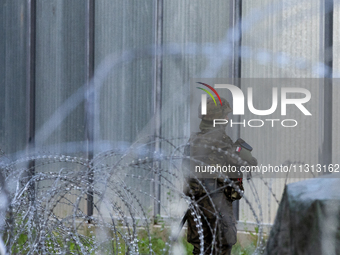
<point>211,192</point>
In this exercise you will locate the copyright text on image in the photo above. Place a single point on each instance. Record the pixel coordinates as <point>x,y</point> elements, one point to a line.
<point>269,168</point>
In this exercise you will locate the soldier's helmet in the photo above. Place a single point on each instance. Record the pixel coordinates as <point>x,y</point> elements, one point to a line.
<point>217,111</point>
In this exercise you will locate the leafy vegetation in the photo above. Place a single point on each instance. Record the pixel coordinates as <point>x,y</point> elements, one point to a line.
<point>156,239</point>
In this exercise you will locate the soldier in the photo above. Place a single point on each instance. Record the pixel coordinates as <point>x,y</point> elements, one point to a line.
<point>214,191</point>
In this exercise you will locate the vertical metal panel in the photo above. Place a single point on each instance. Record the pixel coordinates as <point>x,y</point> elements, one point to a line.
<point>60,72</point>
<point>125,31</point>
<point>279,36</point>
<point>193,34</point>
<point>126,96</point>
<point>282,39</point>
<point>60,66</point>
<point>13,58</point>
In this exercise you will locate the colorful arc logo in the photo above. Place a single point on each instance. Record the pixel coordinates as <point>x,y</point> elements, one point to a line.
<point>213,90</point>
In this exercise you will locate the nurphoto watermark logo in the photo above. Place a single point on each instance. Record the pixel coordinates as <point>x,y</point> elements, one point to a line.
<point>282,94</point>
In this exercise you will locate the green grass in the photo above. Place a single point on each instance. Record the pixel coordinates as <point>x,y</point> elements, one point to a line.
<point>157,237</point>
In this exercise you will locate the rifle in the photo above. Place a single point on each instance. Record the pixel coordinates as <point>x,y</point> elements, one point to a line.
<point>184,219</point>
